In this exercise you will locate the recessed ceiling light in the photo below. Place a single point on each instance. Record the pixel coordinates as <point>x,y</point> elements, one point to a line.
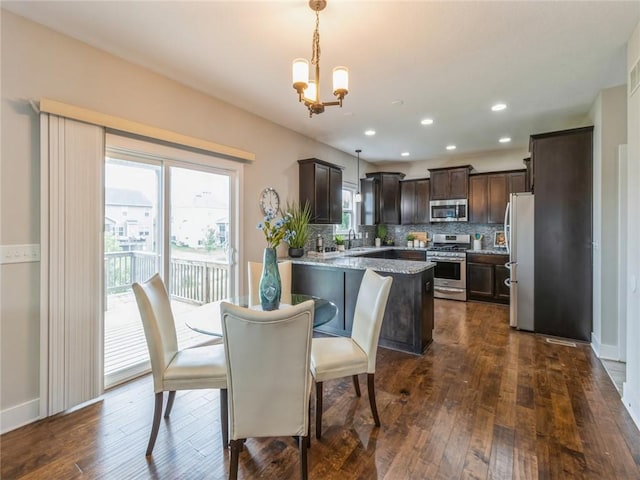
<point>498,107</point>
<point>369,133</point>
<point>427,121</point>
<point>397,102</point>
<point>505,140</point>
<point>451,147</point>
<point>404,154</point>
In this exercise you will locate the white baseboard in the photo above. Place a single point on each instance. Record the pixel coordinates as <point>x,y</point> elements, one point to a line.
<point>629,405</point>
<point>608,352</point>
<point>20,415</point>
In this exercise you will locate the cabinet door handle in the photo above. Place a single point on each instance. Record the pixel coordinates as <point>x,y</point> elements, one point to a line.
<point>427,287</point>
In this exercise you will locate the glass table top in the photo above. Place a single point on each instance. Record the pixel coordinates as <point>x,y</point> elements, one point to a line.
<point>206,319</point>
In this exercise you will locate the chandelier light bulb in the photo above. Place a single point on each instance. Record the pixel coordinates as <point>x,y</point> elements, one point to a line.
<point>340,81</point>
<point>311,92</point>
<point>300,72</point>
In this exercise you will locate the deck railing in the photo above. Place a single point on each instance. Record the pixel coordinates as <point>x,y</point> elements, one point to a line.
<point>194,281</point>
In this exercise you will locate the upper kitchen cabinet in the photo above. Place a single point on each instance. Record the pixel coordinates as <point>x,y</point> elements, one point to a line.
<point>449,183</point>
<point>321,185</point>
<point>489,194</point>
<point>381,198</point>
<point>529,179</point>
<point>414,201</point>
<point>478,198</point>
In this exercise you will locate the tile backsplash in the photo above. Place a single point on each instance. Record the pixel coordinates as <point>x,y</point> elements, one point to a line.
<point>398,233</point>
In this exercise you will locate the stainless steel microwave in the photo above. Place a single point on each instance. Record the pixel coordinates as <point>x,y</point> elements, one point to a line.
<point>448,210</point>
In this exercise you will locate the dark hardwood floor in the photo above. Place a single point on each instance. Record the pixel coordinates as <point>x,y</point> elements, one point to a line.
<point>484,402</point>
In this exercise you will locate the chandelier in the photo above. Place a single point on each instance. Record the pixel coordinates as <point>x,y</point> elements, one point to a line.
<point>309,90</point>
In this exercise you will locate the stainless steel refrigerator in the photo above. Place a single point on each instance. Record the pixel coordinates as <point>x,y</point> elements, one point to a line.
<point>519,236</point>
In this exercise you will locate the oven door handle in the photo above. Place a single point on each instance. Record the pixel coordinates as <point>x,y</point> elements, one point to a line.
<point>448,259</point>
<point>448,290</point>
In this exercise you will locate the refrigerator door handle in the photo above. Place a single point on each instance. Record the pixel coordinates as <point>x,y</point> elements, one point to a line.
<point>507,233</point>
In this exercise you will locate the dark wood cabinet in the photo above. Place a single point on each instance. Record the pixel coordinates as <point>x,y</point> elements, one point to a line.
<point>489,194</point>
<point>414,202</point>
<point>563,291</point>
<point>502,291</point>
<point>478,198</point>
<point>449,183</point>
<point>518,182</point>
<point>381,198</point>
<point>498,191</point>
<point>320,184</point>
<point>529,177</point>
<point>485,278</point>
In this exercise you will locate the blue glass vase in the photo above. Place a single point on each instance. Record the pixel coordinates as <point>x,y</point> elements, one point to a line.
<point>270,285</point>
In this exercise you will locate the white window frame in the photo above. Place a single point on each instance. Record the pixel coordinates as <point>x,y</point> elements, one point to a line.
<point>338,230</point>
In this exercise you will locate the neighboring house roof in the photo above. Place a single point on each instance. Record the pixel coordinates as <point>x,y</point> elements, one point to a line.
<point>124,197</point>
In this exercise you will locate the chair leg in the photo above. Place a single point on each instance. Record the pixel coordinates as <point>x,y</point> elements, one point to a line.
<point>224,417</point>
<point>372,398</point>
<point>308,437</point>
<point>356,385</point>
<point>236,448</point>
<point>172,396</point>
<point>318,410</point>
<point>157,413</point>
<point>304,470</point>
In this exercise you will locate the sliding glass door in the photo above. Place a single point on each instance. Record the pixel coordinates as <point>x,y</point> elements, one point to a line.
<point>165,216</point>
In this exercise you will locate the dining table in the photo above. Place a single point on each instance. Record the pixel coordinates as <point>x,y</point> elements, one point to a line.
<point>206,319</point>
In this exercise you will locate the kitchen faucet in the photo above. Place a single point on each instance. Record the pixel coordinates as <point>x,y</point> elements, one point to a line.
<point>349,244</point>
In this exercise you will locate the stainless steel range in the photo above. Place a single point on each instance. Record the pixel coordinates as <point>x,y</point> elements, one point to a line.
<point>448,252</point>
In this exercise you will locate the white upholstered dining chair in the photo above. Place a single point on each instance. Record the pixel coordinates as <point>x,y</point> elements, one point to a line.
<point>338,357</point>
<point>174,369</point>
<point>268,375</point>
<point>255,272</point>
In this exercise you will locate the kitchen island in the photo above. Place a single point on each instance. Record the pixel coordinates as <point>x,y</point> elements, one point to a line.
<point>408,319</point>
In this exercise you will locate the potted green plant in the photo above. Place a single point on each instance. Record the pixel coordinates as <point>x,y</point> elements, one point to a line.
<point>381,235</point>
<point>410,239</point>
<point>299,218</point>
<point>340,242</point>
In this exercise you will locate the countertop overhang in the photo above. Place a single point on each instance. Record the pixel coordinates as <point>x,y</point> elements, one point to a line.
<point>351,259</point>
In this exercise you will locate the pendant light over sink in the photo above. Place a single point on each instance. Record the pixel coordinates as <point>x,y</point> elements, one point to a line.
<point>309,90</point>
<point>358,197</point>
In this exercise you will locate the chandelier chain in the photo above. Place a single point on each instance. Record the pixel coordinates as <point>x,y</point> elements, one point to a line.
<point>315,57</point>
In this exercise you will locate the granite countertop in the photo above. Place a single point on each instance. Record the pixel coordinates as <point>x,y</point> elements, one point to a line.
<point>350,259</point>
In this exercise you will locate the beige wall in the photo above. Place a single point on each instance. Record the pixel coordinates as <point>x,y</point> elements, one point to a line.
<point>508,159</point>
<point>37,62</point>
<point>609,117</point>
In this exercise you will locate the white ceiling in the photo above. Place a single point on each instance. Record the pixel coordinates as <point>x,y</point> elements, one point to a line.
<point>446,60</point>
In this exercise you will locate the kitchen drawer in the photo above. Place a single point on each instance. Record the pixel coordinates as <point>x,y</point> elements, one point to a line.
<point>487,258</point>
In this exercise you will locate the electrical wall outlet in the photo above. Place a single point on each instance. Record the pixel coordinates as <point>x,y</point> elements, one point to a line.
<point>19,253</point>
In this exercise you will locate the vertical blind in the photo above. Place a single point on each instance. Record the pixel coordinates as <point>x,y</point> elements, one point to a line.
<point>72,158</point>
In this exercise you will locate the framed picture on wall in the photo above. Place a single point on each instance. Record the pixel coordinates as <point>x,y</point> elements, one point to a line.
<point>499,240</point>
